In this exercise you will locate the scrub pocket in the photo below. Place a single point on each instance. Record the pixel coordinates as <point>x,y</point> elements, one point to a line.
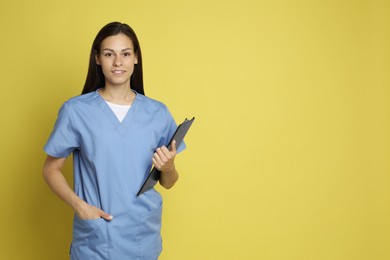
<point>135,236</point>
<point>89,239</point>
<point>150,234</point>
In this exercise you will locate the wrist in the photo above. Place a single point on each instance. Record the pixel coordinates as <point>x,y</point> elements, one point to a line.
<point>77,204</point>
<point>170,171</point>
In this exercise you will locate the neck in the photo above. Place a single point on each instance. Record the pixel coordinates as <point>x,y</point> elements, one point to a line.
<point>118,95</point>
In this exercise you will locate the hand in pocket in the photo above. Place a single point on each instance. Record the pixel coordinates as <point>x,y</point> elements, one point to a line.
<point>86,211</point>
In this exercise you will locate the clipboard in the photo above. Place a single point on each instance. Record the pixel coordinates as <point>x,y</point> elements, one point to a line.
<point>178,136</point>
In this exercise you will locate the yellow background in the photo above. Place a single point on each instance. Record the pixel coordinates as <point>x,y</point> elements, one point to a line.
<point>288,157</point>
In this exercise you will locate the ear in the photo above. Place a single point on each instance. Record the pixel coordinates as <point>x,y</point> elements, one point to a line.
<point>97,59</point>
<point>136,59</point>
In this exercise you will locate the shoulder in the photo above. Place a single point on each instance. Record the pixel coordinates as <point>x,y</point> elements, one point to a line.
<point>84,99</point>
<point>76,104</point>
<point>154,109</point>
<point>151,104</point>
<point>80,102</point>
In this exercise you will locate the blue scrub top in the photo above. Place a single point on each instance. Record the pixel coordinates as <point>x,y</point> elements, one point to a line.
<point>111,159</point>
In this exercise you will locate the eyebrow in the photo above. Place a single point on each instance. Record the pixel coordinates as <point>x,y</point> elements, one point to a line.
<point>108,49</point>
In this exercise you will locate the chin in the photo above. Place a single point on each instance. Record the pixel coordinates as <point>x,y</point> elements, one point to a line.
<point>120,83</point>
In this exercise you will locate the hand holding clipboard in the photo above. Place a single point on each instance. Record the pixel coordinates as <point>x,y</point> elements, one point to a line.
<point>178,136</point>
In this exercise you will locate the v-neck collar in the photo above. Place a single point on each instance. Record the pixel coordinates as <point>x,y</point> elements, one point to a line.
<point>121,127</point>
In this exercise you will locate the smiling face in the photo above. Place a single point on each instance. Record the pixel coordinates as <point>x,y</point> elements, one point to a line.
<point>117,59</point>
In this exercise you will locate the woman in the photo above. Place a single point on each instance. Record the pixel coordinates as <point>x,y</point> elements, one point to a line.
<point>115,134</point>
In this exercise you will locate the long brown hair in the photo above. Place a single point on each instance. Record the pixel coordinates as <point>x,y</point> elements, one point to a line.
<point>95,77</point>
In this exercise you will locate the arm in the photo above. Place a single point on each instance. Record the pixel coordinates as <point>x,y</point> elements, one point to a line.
<point>164,160</point>
<point>57,182</point>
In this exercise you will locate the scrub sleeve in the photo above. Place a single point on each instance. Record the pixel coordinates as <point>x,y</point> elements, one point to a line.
<point>111,159</point>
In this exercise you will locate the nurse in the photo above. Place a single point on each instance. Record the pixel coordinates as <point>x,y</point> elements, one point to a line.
<point>115,134</point>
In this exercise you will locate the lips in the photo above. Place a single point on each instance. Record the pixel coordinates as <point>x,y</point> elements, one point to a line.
<point>118,71</point>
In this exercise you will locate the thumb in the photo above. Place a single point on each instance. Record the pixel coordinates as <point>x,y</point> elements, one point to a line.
<point>173,146</point>
<point>105,215</point>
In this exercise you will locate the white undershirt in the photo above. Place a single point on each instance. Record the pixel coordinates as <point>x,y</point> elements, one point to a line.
<point>119,110</point>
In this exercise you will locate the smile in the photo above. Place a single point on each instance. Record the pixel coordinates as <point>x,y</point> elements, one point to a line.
<point>118,71</point>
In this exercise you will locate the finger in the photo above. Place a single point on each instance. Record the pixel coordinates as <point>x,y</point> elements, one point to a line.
<point>157,160</point>
<point>105,215</point>
<point>163,153</point>
<point>155,163</point>
<point>173,146</point>
<point>166,154</point>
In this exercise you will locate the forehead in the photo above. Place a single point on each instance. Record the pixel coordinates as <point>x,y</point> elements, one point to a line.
<point>117,42</point>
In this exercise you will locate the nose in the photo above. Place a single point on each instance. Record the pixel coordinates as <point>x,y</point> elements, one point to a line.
<point>118,60</point>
